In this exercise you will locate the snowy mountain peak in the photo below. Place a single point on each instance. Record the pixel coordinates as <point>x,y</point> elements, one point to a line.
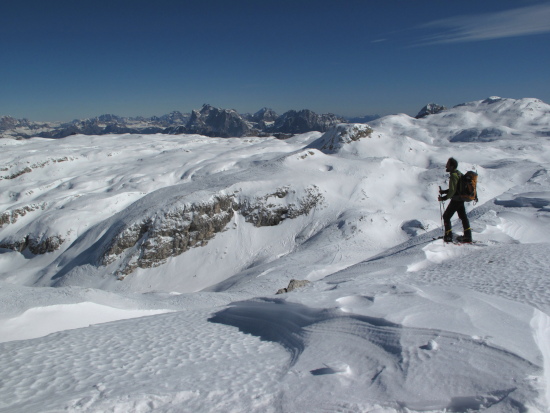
<point>492,99</point>
<point>305,120</point>
<point>109,118</point>
<point>9,122</point>
<point>265,115</point>
<point>430,109</point>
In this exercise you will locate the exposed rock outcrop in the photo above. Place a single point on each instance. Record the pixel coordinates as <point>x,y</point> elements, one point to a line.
<point>339,136</point>
<point>305,121</point>
<point>9,122</point>
<point>272,209</point>
<point>37,246</point>
<point>430,109</point>
<point>11,216</point>
<point>211,121</point>
<point>171,119</point>
<point>293,285</point>
<point>264,115</point>
<point>16,173</point>
<point>151,241</point>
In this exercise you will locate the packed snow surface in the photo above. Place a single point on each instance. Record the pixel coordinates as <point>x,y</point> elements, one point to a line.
<point>105,306</point>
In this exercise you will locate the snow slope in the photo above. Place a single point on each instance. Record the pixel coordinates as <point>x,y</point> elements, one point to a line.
<point>391,321</point>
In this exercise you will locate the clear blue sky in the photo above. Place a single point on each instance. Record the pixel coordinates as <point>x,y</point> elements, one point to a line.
<point>61,60</point>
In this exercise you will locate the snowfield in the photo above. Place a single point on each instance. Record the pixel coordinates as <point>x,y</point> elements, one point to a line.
<point>138,272</point>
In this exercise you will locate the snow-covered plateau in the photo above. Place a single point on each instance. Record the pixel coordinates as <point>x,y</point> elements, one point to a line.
<point>138,273</point>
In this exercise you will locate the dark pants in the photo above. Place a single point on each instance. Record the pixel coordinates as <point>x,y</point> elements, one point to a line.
<point>455,206</point>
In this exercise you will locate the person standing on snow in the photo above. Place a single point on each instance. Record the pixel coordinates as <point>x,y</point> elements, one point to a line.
<point>456,204</point>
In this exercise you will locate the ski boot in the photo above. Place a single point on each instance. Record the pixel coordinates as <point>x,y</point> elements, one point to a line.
<point>467,237</point>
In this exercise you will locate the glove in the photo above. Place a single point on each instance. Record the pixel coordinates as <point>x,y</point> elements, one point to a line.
<point>441,198</point>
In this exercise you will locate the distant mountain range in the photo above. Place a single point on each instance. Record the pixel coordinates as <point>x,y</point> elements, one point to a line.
<point>208,121</point>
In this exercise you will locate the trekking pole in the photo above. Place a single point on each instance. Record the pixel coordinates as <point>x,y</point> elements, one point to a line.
<point>441,205</point>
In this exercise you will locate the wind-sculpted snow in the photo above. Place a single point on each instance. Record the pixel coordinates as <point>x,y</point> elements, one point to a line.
<point>396,359</point>
<point>189,238</point>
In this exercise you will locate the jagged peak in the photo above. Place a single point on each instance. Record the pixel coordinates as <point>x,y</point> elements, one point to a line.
<point>430,109</point>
